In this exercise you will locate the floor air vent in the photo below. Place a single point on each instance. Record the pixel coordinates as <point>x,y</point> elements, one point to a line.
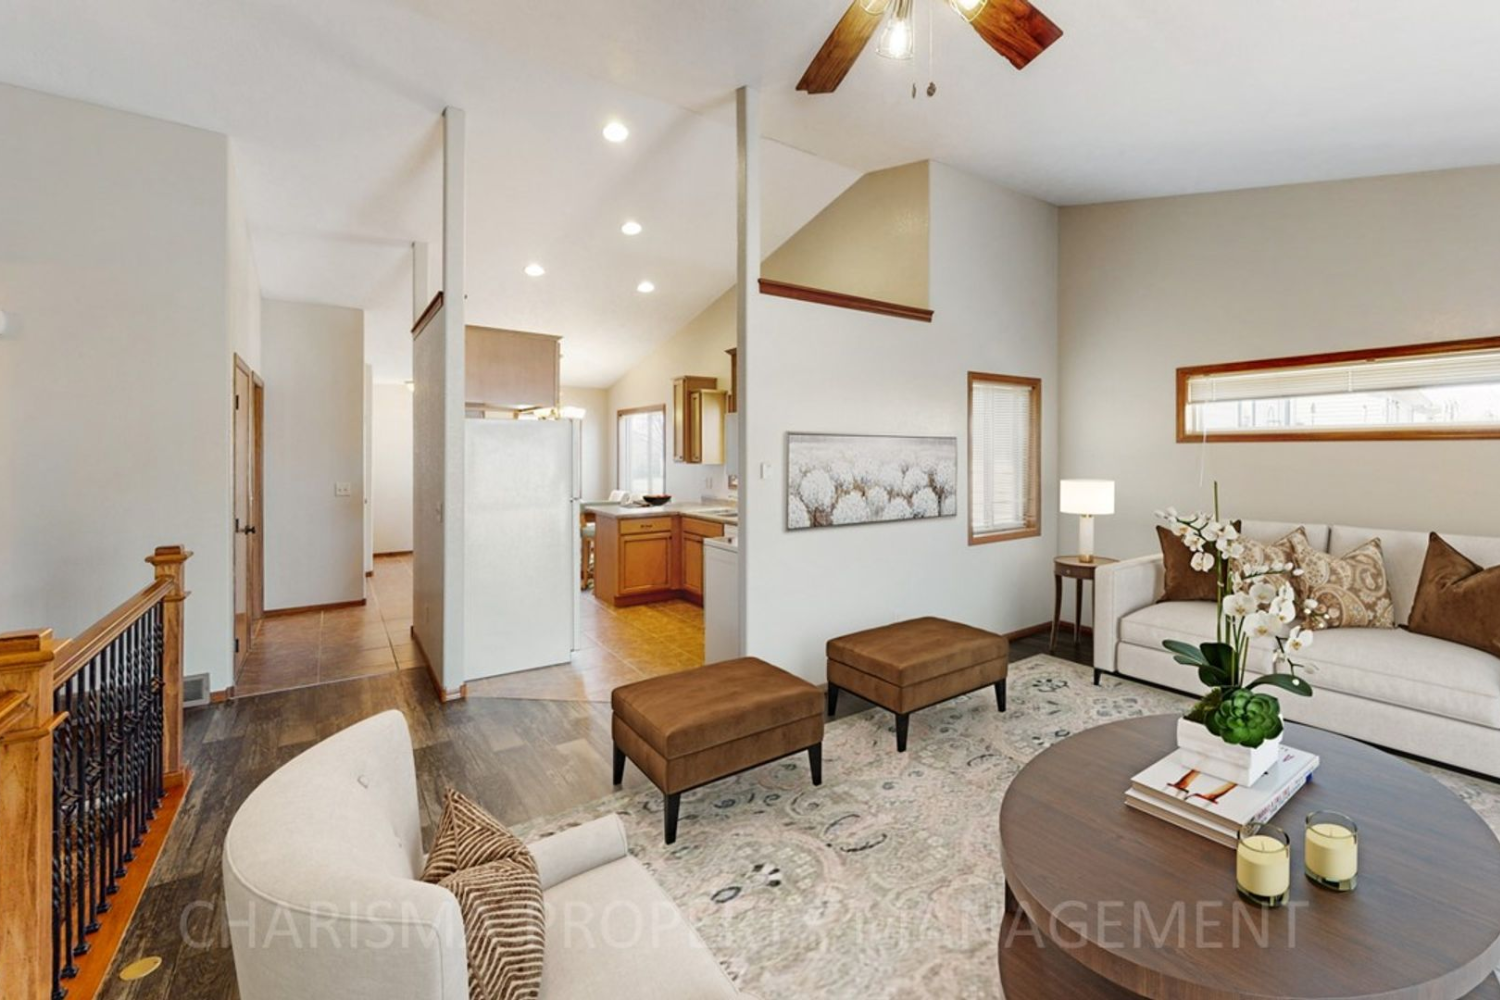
<point>195,691</point>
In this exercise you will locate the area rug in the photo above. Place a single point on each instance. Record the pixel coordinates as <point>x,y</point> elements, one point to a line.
<point>886,881</point>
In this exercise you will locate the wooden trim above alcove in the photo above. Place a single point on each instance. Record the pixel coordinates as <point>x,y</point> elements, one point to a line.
<point>427,314</point>
<point>823,297</point>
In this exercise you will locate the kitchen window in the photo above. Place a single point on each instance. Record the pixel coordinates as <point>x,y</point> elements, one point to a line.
<point>1005,461</point>
<point>641,450</point>
<point>1431,391</point>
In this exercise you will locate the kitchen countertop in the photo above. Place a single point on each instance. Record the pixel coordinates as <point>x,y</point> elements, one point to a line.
<point>682,507</point>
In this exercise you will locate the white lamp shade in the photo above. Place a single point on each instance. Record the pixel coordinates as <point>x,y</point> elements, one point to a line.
<point>1088,496</point>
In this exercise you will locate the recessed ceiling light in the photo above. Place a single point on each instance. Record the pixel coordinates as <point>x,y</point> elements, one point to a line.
<point>535,270</point>
<point>645,288</point>
<point>616,132</point>
<point>631,228</point>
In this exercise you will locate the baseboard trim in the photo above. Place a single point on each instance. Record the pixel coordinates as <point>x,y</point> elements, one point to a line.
<point>335,606</point>
<point>444,696</point>
<point>1031,630</point>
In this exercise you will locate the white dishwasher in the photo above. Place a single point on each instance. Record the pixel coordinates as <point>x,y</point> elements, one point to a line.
<point>721,598</point>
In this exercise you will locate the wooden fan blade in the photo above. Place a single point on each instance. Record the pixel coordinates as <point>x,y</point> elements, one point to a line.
<point>1016,30</point>
<point>834,59</point>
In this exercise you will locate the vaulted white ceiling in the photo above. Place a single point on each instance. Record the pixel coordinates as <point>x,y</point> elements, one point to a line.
<point>333,109</point>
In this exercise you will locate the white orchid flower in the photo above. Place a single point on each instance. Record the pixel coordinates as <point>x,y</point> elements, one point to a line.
<point>1299,639</point>
<point>1297,571</point>
<point>1211,531</point>
<point>1261,623</point>
<point>1203,561</point>
<point>1230,532</point>
<point>1284,609</point>
<point>1286,593</point>
<point>1180,530</point>
<point>1236,550</point>
<point>1310,605</point>
<point>1238,605</point>
<point>1262,592</point>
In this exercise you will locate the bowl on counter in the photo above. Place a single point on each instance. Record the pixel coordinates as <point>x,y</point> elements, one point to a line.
<point>657,499</point>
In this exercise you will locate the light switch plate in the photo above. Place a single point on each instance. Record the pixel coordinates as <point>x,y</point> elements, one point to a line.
<point>343,490</point>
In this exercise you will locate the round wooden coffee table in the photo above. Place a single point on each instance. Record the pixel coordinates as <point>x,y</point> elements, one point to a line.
<point>1102,901</point>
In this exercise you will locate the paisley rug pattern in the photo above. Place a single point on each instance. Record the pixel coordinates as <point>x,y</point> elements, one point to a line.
<point>886,881</point>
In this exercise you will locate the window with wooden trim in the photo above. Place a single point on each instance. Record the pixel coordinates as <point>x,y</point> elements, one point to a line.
<point>1433,391</point>
<point>1005,457</point>
<point>641,450</point>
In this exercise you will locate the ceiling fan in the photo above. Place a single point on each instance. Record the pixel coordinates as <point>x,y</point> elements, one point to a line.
<point>1013,28</point>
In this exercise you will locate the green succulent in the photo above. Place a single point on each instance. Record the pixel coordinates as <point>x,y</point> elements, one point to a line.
<point>1245,718</point>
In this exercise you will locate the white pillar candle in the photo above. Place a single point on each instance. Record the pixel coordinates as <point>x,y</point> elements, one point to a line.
<point>1263,866</point>
<point>1332,852</point>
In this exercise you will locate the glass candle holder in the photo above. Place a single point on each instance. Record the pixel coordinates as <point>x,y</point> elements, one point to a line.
<point>1332,851</point>
<point>1263,864</point>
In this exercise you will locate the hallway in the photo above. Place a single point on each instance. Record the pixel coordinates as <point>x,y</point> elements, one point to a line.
<point>619,645</point>
<point>320,647</point>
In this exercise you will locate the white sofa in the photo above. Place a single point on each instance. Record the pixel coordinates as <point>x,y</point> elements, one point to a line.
<point>324,900</point>
<point>1390,687</point>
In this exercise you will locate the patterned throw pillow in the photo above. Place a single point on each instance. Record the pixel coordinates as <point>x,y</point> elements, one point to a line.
<point>494,878</point>
<point>1351,590</point>
<point>1262,555</point>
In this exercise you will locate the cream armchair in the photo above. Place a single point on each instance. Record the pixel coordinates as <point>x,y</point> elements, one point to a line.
<point>324,899</point>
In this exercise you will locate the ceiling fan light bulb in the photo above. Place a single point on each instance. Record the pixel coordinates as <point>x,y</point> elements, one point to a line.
<point>898,40</point>
<point>968,9</point>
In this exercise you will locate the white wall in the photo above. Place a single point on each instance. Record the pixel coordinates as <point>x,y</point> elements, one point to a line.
<point>598,432</point>
<point>391,444</point>
<point>242,305</point>
<point>115,377</point>
<point>1149,286</point>
<point>872,240</point>
<point>815,368</point>
<point>312,360</point>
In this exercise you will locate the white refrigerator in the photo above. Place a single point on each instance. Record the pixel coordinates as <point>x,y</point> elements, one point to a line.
<point>521,544</point>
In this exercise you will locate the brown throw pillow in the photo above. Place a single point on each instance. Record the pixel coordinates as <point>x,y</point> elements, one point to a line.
<point>1183,583</point>
<point>494,878</point>
<point>1351,590</point>
<point>1263,554</point>
<point>504,928</point>
<point>1457,599</point>
<point>468,837</point>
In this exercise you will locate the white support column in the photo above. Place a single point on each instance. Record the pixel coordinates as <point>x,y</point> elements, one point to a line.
<point>453,401</point>
<point>421,280</point>
<point>747,300</point>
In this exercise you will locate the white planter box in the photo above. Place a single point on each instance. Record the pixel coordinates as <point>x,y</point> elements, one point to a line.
<point>1202,750</point>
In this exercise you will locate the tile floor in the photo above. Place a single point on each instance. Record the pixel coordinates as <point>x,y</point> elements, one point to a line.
<point>620,645</point>
<point>319,647</point>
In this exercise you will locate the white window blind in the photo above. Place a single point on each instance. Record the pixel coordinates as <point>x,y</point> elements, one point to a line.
<point>641,452</point>
<point>1458,389</point>
<point>1002,465</point>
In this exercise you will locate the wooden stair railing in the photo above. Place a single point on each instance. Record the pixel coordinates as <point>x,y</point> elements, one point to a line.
<point>91,775</point>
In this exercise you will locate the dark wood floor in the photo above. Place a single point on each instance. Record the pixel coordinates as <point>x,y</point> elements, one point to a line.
<point>521,758</point>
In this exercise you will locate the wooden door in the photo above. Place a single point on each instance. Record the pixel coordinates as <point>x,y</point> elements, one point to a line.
<point>243,399</point>
<point>645,563</point>
<point>257,551</point>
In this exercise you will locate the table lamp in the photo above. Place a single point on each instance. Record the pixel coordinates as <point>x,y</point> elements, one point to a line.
<point>1086,498</point>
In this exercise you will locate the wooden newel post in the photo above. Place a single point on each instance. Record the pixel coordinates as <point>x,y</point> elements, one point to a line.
<point>26,724</point>
<point>169,560</point>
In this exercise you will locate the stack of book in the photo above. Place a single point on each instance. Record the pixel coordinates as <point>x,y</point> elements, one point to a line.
<point>1211,807</point>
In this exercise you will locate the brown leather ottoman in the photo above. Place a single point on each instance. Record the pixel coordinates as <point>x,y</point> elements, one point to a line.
<point>914,664</point>
<point>688,729</point>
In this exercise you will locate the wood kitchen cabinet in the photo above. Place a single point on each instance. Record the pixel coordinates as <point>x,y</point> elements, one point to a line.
<point>509,370</point>
<point>698,408</point>
<point>652,558</point>
<point>693,533</point>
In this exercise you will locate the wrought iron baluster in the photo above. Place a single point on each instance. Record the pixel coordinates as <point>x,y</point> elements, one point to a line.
<point>88,783</point>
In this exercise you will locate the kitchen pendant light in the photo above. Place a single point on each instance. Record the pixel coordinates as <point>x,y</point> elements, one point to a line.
<point>898,40</point>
